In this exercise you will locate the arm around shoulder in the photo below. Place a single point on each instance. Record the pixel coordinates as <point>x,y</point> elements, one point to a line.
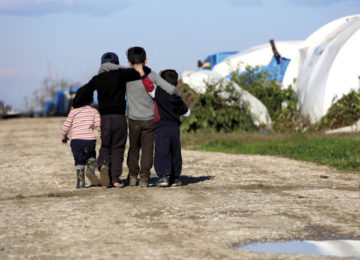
<point>162,83</point>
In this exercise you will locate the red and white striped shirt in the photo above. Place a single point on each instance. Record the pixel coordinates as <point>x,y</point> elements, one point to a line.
<point>82,121</point>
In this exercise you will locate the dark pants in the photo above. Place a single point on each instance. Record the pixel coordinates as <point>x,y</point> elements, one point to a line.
<point>141,137</point>
<point>83,150</point>
<point>167,161</point>
<point>113,140</point>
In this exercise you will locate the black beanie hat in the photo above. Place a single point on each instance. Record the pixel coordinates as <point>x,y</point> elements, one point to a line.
<point>110,57</point>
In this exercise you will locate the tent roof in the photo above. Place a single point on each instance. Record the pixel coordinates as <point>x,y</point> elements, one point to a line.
<point>327,66</point>
<point>259,55</point>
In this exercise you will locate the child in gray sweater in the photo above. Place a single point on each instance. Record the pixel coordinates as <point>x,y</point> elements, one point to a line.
<point>141,120</point>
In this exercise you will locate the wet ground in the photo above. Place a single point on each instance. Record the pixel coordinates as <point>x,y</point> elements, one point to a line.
<point>226,201</point>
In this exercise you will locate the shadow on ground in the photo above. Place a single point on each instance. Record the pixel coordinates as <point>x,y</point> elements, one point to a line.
<point>186,180</point>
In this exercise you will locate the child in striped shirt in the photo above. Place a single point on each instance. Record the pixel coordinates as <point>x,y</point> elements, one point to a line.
<point>83,121</point>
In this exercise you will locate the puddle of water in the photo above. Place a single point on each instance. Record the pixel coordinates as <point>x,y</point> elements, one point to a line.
<point>337,248</point>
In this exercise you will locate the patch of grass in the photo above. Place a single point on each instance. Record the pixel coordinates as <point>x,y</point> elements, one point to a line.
<point>339,151</point>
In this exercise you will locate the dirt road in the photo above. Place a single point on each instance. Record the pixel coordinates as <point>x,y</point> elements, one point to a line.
<point>227,200</point>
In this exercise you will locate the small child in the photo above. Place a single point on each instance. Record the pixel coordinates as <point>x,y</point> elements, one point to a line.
<point>168,109</point>
<point>82,122</point>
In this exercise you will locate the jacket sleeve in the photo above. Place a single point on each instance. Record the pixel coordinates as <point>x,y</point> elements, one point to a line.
<point>129,74</point>
<point>162,83</point>
<point>149,86</point>
<point>84,91</point>
<point>182,108</point>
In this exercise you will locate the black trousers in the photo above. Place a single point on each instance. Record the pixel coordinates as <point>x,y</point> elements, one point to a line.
<point>113,141</point>
<point>167,160</point>
<point>83,150</point>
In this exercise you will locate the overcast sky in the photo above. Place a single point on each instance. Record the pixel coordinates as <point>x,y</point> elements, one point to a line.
<point>68,37</point>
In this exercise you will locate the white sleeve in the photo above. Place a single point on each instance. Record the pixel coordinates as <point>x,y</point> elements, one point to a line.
<point>152,93</point>
<point>187,114</point>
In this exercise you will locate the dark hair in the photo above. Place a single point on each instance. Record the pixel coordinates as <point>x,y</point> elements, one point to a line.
<point>82,99</point>
<point>170,76</point>
<point>136,55</point>
<point>110,57</point>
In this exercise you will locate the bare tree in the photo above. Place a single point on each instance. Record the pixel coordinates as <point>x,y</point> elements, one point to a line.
<point>49,85</point>
<point>4,107</point>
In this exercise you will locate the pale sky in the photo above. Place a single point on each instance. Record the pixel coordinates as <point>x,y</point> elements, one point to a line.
<point>68,37</point>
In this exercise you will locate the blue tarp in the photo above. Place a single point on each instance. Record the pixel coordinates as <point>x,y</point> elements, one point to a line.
<point>275,69</point>
<point>218,57</point>
<point>49,108</point>
<point>62,103</point>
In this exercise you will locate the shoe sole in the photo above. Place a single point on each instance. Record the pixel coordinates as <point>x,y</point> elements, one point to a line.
<point>163,185</point>
<point>104,176</point>
<point>94,180</point>
<point>120,186</point>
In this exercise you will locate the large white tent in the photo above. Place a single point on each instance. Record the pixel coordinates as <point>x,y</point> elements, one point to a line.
<point>259,55</point>
<point>327,66</point>
<point>197,80</point>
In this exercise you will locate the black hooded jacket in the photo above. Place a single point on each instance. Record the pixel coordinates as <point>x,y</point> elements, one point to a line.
<point>111,88</point>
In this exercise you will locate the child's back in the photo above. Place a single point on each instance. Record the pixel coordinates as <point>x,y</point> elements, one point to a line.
<point>82,121</point>
<point>168,109</point>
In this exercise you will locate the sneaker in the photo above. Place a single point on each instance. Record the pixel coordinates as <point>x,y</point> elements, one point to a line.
<point>143,183</point>
<point>176,183</point>
<point>90,172</point>
<point>132,181</point>
<point>104,176</point>
<point>163,182</point>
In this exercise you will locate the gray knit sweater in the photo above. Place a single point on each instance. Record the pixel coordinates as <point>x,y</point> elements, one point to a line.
<point>140,104</point>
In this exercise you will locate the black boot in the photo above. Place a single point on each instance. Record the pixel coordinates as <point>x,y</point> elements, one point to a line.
<point>80,178</point>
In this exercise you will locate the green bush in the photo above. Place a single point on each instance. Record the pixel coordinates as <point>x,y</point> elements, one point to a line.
<point>282,104</point>
<point>344,112</point>
<point>219,109</point>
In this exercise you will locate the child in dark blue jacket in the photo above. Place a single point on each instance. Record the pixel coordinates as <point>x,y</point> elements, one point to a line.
<point>168,109</point>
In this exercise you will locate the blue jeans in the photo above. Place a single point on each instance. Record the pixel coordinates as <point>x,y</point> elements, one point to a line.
<point>83,150</point>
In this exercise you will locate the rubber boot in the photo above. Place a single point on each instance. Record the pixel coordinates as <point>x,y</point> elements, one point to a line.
<point>90,172</point>
<point>80,177</point>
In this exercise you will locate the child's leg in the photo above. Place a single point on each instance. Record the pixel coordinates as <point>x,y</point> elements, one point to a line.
<point>119,138</point>
<point>176,158</point>
<point>147,148</point>
<point>105,149</point>
<point>90,155</point>
<point>162,158</point>
<point>77,148</point>
<point>90,172</point>
<point>134,149</point>
<point>80,176</point>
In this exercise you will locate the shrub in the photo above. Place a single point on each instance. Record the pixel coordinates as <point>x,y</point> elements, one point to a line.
<point>282,104</point>
<point>219,109</point>
<point>344,112</point>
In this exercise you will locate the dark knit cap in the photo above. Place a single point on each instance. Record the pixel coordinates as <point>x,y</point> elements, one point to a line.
<point>110,57</point>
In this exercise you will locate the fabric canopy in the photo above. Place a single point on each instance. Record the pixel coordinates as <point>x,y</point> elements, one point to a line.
<point>326,67</point>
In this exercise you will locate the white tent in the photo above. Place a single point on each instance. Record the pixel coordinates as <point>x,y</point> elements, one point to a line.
<point>197,80</point>
<point>259,55</point>
<point>327,66</point>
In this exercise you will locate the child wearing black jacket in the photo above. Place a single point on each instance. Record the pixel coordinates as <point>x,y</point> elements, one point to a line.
<point>168,109</point>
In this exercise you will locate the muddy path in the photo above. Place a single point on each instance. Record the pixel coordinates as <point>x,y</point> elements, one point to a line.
<point>227,200</point>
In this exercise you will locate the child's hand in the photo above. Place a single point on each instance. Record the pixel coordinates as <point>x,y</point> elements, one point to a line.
<point>139,68</point>
<point>64,140</point>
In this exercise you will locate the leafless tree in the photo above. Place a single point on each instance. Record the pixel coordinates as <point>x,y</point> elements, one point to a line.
<point>49,85</point>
